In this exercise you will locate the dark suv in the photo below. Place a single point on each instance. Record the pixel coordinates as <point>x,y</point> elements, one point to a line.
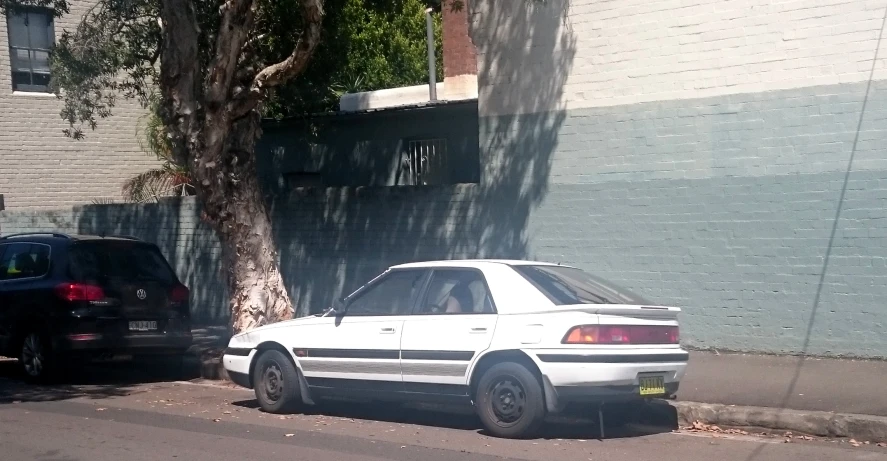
<point>66,297</point>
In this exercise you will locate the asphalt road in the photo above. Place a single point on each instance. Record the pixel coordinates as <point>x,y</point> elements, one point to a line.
<point>109,419</point>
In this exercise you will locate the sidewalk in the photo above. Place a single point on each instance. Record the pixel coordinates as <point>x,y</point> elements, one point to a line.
<point>834,385</point>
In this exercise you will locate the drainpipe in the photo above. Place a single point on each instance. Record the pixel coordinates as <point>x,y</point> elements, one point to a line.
<point>432,67</point>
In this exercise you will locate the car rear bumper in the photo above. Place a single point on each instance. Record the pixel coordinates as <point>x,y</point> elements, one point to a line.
<point>141,344</point>
<point>595,376</point>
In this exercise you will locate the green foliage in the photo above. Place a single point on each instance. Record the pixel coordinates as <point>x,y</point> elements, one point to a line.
<point>113,52</point>
<point>167,180</point>
<point>367,45</point>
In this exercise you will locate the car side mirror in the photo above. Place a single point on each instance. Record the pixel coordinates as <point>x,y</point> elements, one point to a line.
<point>338,307</point>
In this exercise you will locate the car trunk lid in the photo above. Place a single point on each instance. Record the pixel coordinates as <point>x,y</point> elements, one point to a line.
<point>139,285</point>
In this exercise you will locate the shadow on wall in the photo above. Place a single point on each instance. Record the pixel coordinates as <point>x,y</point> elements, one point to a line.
<point>333,240</point>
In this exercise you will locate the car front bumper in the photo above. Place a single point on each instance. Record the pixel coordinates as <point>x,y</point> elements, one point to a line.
<point>237,363</point>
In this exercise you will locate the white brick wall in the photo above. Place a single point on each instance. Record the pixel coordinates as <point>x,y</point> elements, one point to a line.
<point>614,52</point>
<point>39,166</point>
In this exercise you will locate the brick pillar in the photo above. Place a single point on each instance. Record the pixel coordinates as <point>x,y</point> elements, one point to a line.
<point>459,54</point>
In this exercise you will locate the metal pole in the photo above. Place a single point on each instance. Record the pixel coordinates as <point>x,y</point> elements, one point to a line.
<point>432,66</point>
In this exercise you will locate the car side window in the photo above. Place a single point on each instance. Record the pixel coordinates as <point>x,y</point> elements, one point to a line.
<point>393,294</point>
<point>24,260</point>
<point>457,291</point>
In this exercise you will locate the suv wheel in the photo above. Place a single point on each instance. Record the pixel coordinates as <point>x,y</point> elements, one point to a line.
<point>510,401</point>
<point>276,383</point>
<point>36,358</point>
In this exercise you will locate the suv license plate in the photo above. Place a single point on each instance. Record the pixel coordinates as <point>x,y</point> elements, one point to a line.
<point>143,325</point>
<point>652,385</point>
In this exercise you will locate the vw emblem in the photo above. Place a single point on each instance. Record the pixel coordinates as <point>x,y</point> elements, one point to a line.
<point>141,294</point>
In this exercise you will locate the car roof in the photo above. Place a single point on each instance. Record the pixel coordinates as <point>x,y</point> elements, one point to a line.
<point>472,263</point>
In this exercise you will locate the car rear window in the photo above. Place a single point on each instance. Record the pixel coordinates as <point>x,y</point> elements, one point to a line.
<point>120,260</point>
<point>568,285</point>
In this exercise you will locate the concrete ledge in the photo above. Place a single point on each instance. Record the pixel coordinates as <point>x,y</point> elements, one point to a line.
<point>820,423</point>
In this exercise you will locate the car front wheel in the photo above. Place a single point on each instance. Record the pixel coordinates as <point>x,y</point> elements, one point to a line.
<point>276,383</point>
<point>510,401</point>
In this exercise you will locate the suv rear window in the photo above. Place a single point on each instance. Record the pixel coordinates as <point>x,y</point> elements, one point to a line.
<point>121,260</point>
<point>568,285</point>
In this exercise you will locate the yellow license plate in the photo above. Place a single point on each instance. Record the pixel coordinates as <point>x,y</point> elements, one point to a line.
<point>652,385</point>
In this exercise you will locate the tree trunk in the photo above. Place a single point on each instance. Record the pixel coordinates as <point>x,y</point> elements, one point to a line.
<point>238,212</point>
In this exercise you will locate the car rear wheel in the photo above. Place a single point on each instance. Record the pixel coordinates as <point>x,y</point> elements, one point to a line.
<point>276,383</point>
<point>36,357</point>
<point>510,401</point>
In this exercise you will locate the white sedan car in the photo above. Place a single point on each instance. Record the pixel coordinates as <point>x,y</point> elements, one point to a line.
<point>516,339</point>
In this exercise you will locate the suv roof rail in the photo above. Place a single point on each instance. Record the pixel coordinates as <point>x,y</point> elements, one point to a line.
<point>119,236</point>
<point>28,234</point>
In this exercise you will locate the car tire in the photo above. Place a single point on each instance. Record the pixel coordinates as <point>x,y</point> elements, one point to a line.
<point>36,358</point>
<point>276,383</point>
<point>510,401</point>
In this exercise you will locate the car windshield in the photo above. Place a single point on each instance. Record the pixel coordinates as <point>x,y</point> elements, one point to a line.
<point>119,260</point>
<point>568,285</point>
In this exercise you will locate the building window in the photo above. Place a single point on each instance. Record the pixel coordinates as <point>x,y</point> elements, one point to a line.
<point>426,162</point>
<point>31,36</point>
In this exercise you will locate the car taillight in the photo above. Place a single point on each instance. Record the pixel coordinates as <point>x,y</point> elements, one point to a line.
<point>79,292</point>
<point>622,334</point>
<point>179,294</point>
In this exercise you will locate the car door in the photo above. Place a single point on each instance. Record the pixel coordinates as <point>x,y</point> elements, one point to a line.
<point>358,350</point>
<point>6,299</point>
<point>453,322</point>
<point>23,291</point>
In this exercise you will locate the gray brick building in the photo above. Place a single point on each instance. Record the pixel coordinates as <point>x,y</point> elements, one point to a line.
<point>39,166</point>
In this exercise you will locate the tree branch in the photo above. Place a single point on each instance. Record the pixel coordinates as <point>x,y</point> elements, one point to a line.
<point>237,20</point>
<point>180,75</point>
<point>292,66</point>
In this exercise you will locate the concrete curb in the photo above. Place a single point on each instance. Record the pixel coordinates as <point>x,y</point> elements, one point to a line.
<point>819,423</point>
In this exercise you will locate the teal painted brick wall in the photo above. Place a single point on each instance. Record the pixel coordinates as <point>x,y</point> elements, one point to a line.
<point>722,206</point>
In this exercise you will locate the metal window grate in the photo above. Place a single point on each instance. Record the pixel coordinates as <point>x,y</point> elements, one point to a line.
<point>427,162</point>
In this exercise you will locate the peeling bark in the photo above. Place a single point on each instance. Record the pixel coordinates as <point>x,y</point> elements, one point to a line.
<point>249,252</point>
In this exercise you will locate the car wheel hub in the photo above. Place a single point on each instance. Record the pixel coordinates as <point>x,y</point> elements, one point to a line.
<point>508,400</point>
<point>273,379</point>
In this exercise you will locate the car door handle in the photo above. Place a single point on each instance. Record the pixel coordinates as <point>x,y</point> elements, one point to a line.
<point>479,330</point>
<point>387,331</point>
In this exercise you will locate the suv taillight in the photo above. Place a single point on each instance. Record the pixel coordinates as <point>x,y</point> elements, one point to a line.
<point>179,294</point>
<point>79,292</point>
<point>622,334</point>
